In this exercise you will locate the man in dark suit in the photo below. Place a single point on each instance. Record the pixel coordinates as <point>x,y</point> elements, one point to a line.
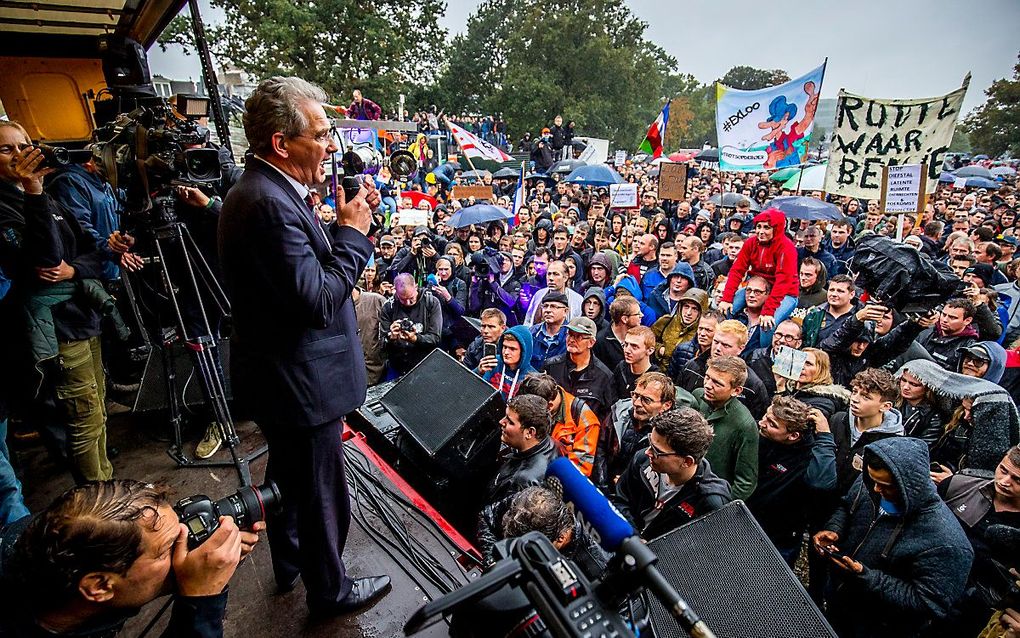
<point>296,361</point>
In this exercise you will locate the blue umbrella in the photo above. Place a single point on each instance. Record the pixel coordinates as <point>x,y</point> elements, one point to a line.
<point>974,171</point>
<point>981,182</point>
<point>947,178</point>
<point>795,207</point>
<point>477,214</point>
<point>596,175</point>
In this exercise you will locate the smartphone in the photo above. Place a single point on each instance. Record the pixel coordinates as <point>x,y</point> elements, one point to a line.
<point>935,467</point>
<point>489,350</point>
<point>832,551</point>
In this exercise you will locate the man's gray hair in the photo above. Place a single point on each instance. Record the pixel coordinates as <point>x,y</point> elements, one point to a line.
<point>276,107</point>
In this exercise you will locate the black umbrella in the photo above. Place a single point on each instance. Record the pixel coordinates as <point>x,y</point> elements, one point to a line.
<point>475,174</point>
<point>707,155</point>
<point>548,179</point>
<point>506,173</point>
<point>566,166</point>
<point>730,200</point>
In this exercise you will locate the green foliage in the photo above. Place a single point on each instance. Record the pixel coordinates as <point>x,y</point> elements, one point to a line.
<point>961,142</point>
<point>994,127</point>
<point>178,32</point>
<point>384,47</point>
<point>748,78</point>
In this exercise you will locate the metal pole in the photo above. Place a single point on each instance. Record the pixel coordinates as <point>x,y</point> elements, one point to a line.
<point>209,76</point>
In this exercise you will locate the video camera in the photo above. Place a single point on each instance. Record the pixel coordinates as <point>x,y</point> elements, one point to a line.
<point>246,506</point>
<point>154,148</point>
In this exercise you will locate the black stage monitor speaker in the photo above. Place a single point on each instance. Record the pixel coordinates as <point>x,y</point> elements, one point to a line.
<point>448,412</point>
<point>734,579</point>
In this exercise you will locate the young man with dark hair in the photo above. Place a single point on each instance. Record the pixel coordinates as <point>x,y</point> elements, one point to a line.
<point>493,325</point>
<point>670,482</point>
<point>624,314</point>
<point>840,304</point>
<point>734,451</point>
<point>952,334</point>
<point>841,245</point>
<point>692,249</point>
<point>667,260</point>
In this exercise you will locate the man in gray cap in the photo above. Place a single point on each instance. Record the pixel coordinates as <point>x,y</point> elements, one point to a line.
<point>579,372</point>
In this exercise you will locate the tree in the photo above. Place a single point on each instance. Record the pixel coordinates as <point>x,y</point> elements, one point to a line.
<point>994,127</point>
<point>748,78</point>
<point>383,47</point>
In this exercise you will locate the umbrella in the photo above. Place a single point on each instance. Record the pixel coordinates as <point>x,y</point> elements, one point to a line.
<point>729,200</point>
<point>981,182</point>
<point>661,160</point>
<point>475,174</point>
<point>597,175</point>
<point>980,157</point>
<point>506,173</point>
<point>974,171</point>
<point>676,157</point>
<point>784,174</point>
<point>566,166</point>
<point>795,207</point>
<point>1005,171</point>
<point>477,214</point>
<point>417,196</point>
<point>810,178</point>
<point>708,155</point>
<point>548,179</point>
<point>947,178</point>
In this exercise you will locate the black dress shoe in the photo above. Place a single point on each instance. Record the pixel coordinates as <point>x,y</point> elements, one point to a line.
<point>364,592</point>
<point>283,588</point>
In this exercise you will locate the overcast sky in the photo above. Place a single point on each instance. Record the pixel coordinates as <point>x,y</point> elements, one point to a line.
<point>885,49</point>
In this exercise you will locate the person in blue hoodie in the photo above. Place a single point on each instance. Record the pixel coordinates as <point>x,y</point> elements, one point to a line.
<point>628,284</point>
<point>513,361</point>
<point>899,557</point>
<point>664,299</point>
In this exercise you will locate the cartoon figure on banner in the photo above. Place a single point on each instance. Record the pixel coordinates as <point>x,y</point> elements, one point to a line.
<point>782,147</point>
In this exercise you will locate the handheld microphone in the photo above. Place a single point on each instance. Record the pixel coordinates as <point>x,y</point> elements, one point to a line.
<point>613,533</point>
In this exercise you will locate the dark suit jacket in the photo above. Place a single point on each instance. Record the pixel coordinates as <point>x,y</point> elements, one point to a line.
<point>295,353</point>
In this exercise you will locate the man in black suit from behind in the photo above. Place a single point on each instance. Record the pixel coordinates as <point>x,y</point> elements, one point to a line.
<point>296,361</point>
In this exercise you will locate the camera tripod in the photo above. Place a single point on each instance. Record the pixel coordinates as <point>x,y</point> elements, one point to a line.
<point>203,348</point>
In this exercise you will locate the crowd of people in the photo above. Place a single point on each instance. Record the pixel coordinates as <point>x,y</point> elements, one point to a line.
<point>681,354</point>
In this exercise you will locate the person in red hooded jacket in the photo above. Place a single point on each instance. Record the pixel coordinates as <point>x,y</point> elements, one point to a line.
<point>771,254</point>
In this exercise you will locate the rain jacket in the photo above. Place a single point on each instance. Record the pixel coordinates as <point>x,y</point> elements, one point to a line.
<point>670,330</point>
<point>504,378</point>
<point>576,429</point>
<point>659,301</point>
<point>630,284</point>
<point>915,561</point>
<point>734,450</point>
<point>775,261</point>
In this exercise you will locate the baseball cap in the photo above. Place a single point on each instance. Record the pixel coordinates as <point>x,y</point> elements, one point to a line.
<point>582,325</point>
<point>977,352</point>
<point>387,240</point>
<point>556,297</point>
<point>985,271</point>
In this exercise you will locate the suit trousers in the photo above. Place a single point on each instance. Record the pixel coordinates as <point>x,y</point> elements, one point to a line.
<point>308,534</point>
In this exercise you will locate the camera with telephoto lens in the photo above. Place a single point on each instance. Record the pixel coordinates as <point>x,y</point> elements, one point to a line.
<point>151,150</point>
<point>247,506</point>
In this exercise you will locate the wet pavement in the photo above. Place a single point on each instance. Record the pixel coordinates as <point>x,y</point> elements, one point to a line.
<point>254,609</point>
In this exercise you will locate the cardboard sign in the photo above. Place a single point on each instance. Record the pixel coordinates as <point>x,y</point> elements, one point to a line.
<point>620,158</point>
<point>903,188</point>
<point>672,181</point>
<point>872,133</point>
<point>411,217</point>
<point>623,195</point>
<point>478,191</point>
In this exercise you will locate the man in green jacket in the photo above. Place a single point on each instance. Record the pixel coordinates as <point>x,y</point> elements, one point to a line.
<point>734,450</point>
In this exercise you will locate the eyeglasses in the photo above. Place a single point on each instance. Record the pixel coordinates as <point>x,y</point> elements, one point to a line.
<point>755,291</point>
<point>321,138</point>
<point>787,338</point>
<point>657,453</point>
<point>642,399</point>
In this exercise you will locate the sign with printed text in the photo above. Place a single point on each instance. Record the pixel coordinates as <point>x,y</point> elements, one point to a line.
<point>412,217</point>
<point>871,133</point>
<point>478,191</point>
<point>672,181</point>
<point>902,188</point>
<point>620,158</point>
<point>623,195</point>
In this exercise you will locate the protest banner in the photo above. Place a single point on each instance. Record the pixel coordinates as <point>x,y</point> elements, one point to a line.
<point>672,181</point>
<point>478,191</point>
<point>903,192</point>
<point>411,217</point>
<point>872,133</point>
<point>623,195</point>
<point>620,158</point>
<point>769,128</point>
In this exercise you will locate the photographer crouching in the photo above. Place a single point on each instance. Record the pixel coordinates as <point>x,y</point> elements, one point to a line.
<point>102,551</point>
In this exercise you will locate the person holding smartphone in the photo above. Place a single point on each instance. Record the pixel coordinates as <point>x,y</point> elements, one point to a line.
<point>481,353</point>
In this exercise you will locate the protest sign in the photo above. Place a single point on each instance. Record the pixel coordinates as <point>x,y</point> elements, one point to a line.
<point>478,191</point>
<point>872,133</point>
<point>411,217</point>
<point>620,158</point>
<point>623,195</point>
<point>672,181</point>
<point>596,151</point>
<point>769,128</point>
<point>902,188</point>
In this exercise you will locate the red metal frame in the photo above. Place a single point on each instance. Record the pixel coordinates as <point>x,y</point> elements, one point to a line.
<point>463,544</point>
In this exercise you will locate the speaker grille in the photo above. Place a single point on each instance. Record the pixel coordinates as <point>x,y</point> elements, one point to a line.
<point>436,399</point>
<point>732,576</point>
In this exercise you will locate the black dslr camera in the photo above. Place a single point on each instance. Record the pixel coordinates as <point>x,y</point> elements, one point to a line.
<point>246,506</point>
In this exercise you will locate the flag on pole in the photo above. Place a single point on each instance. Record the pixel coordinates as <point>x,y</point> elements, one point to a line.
<point>473,146</point>
<point>656,137</point>
<point>518,202</point>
